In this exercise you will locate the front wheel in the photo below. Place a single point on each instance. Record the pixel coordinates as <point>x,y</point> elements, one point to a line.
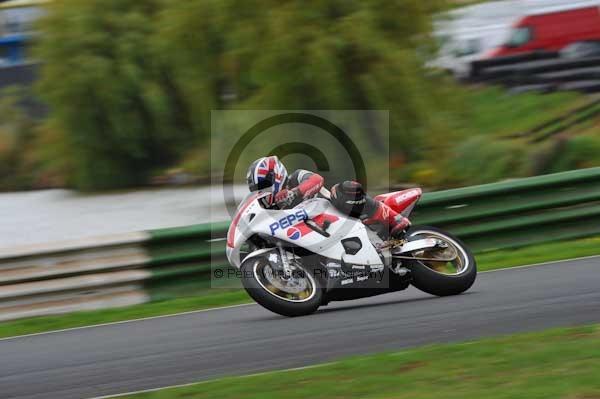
<point>452,269</point>
<point>298,294</point>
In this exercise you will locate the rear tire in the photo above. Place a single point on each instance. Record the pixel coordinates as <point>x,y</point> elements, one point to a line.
<point>285,307</point>
<point>434,282</point>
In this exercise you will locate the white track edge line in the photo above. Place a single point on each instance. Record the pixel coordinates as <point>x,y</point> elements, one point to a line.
<point>128,321</point>
<point>540,264</point>
<point>117,395</point>
<point>253,303</point>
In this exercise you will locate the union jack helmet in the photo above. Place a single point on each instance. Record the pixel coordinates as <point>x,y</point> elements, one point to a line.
<point>267,172</point>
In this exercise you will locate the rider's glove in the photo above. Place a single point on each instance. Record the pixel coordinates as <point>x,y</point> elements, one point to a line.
<point>285,198</point>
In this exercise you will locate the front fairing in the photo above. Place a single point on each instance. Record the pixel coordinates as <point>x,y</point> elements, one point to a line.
<point>240,229</point>
<point>291,226</point>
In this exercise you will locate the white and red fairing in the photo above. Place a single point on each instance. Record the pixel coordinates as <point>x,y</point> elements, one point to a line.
<point>251,218</point>
<point>403,201</point>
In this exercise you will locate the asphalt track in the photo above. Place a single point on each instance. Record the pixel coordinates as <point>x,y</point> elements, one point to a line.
<point>117,358</point>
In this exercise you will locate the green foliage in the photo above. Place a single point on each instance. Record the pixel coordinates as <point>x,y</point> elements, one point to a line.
<point>477,161</point>
<point>496,112</point>
<point>475,147</point>
<point>131,86</point>
<point>344,55</point>
<point>111,89</point>
<point>132,83</point>
<point>16,133</point>
<point>578,152</point>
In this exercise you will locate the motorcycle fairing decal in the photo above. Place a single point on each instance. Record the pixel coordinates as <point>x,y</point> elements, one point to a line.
<point>301,229</point>
<point>293,233</point>
<point>236,220</point>
<point>401,201</point>
<point>325,217</point>
<point>288,221</point>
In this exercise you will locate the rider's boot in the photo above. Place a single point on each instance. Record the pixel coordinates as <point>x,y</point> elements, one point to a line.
<point>380,213</point>
<point>398,230</point>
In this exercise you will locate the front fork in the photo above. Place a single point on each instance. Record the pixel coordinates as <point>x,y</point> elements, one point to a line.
<point>287,270</point>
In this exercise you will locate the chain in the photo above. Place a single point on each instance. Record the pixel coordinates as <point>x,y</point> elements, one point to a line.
<point>393,243</point>
<point>424,259</point>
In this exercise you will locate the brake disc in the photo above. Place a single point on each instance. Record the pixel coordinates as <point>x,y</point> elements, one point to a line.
<point>292,285</point>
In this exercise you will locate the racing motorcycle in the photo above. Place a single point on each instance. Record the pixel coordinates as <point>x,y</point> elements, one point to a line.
<point>293,261</point>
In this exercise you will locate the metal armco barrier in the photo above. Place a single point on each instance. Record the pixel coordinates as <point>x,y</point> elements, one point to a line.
<point>519,212</point>
<point>133,268</point>
<point>540,71</point>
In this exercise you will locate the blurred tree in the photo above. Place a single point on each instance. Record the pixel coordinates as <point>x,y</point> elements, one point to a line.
<point>132,83</point>
<point>16,133</point>
<point>111,91</point>
<point>341,55</point>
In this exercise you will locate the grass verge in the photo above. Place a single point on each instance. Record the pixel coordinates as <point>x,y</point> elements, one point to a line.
<point>549,252</point>
<point>486,261</point>
<point>79,319</point>
<point>559,363</point>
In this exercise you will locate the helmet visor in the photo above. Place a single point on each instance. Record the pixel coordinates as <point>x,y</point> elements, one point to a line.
<point>263,183</point>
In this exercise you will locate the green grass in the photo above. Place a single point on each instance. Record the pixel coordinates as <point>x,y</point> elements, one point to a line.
<point>471,145</point>
<point>539,253</point>
<point>219,297</point>
<point>563,363</point>
<point>159,308</point>
<point>494,111</point>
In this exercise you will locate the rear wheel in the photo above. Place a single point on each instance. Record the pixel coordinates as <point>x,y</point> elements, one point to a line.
<point>297,294</point>
<point>451,269</point>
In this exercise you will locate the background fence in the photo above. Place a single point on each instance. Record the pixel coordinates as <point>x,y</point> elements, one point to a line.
<point>134,268</point>
<point>540,71</point>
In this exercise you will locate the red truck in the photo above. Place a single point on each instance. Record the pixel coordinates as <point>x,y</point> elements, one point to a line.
<point>551,30</point>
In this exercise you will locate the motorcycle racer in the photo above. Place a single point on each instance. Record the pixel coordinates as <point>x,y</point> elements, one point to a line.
<point>348,197</point>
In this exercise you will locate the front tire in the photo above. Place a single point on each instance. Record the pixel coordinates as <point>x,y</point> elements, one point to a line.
<point>261,284</point>
<point>430,277</point>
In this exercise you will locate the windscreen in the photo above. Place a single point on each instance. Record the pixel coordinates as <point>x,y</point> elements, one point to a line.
<point>520,36</point>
